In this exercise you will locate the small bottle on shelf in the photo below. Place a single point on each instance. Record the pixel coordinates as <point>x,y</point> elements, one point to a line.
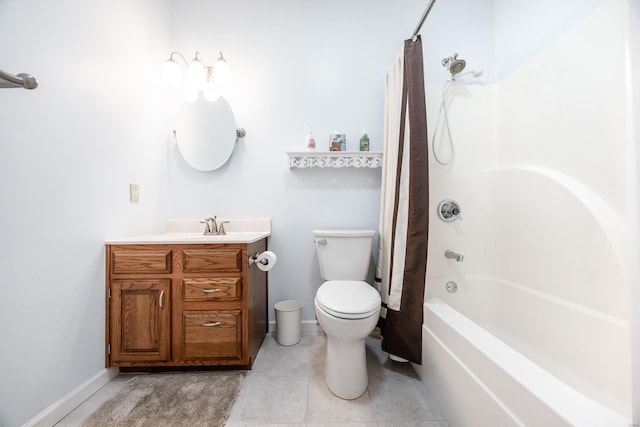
<point>364,141</point>
<point>310,141</point>
<point>337,141</point>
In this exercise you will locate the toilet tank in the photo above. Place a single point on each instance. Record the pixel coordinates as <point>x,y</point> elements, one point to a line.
<point>344,254</point>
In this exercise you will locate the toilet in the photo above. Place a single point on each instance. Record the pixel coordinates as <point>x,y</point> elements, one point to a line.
<point>347,307</point>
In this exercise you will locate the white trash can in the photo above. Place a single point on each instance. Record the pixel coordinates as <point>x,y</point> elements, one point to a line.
<point>288,322</point>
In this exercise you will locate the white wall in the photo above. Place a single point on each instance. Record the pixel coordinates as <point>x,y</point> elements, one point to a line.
<point>295,64</point>
<point>101,120</point>
<point>68,151</point>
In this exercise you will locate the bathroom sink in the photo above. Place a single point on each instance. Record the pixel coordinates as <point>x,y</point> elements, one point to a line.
<point>234,237</point>
<point>194,238</point>
<point>190,232</point>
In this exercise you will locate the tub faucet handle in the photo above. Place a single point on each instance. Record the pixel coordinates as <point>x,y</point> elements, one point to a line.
<point>449,210</point>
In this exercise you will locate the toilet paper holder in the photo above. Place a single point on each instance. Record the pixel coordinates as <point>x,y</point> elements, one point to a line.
<point>254,260</point>
<point>264,261</point>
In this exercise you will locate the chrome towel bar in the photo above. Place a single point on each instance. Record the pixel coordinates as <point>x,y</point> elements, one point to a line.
<point>24,80</point>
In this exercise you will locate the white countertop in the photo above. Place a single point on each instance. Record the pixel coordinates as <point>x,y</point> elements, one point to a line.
<point>190,232</point>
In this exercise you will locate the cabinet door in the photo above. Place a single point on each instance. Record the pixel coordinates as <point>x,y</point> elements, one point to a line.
<point>140,321</point>
<point>212,334</point>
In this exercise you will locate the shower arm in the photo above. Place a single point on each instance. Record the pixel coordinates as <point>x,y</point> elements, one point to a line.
<point>24,80</point>
<point>423,18</point>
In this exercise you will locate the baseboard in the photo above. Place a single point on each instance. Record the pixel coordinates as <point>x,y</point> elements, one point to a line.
<point>307,326</point>
<point>59,409</point>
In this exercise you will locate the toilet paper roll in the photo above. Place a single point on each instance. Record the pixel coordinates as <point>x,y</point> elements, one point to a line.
<point>266,260</point>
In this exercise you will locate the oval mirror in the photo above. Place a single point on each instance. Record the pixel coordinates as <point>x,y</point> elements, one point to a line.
<point>206,133</point>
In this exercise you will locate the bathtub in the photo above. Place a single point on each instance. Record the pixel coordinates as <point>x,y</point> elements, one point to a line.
<point>478,380</point>
<point>538,332</point>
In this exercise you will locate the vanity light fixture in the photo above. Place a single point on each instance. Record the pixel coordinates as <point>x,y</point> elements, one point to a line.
<point>211,80</point>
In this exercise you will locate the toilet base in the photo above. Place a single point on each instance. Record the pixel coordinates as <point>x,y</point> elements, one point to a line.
<point>346,368</point>
<point>346,361</point>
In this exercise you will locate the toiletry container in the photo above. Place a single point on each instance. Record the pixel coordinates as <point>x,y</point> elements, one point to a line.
<point>364,141</point>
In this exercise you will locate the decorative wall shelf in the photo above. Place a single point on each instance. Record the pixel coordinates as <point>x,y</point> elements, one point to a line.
<point>335,159</point>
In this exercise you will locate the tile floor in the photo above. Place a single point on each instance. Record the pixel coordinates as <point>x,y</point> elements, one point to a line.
<point>286,387</point>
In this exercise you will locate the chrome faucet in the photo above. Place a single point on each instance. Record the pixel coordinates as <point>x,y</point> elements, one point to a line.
<point>212,227</point>
<point>453,255</point>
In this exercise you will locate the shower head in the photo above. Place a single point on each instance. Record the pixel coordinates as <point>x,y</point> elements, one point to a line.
<point>474,73</point>
<point>453,64</point>
<point>457,66</point>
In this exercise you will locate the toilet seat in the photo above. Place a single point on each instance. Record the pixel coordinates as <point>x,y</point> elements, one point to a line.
<point>348,299</point>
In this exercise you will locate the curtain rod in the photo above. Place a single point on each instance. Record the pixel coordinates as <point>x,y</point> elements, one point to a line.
<point>424,16</point>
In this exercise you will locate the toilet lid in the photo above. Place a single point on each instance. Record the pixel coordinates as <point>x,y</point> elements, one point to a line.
<point>348,299</point>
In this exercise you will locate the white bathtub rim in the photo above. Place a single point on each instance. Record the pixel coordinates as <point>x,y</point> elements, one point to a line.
<point>569,404</point>
<point>572,342</point>
<point>490,394</point>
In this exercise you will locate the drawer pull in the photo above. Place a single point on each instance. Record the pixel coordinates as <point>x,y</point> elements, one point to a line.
<point>209,324</point>
<point>211,291</point>
<point>161,299</point>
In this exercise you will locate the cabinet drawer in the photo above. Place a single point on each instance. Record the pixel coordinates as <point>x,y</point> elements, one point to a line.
<point>211,260</point>
<point>212,289</point>
<point>212,334</point>
<point>140,261</point>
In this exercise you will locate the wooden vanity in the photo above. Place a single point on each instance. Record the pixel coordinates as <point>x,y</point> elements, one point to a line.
<point>184,304</point>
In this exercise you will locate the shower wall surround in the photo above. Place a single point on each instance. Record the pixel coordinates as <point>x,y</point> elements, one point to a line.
<point>544,170</point>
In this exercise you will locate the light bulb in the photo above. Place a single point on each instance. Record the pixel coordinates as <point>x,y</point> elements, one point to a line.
<point>222,72</point>
<point>171,74</point>
<point>211,91</point>
<point>196,74</point>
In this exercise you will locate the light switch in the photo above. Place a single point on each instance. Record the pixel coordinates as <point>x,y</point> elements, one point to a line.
<point>134,193</point>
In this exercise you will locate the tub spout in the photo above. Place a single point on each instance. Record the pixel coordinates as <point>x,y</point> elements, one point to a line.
<point>453,255</point>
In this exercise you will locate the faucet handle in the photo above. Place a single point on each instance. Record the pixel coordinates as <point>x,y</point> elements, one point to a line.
<point>207,227</point>
<point>221,229</point>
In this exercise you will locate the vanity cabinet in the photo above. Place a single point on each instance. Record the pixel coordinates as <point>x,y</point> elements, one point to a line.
<point>185,304</point>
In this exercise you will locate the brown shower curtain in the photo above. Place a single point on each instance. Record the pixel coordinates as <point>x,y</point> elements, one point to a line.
<point>404,224</point>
